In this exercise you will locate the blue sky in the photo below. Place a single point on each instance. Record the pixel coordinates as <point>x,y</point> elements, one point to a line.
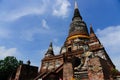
<point>28,26</point>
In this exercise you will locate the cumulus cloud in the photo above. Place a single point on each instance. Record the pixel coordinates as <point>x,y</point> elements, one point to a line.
<point>56,49</point>
<point>44,24</point>
<point>116,61</point>
<point>14,15</point>
<point>61,8</point>
<point>10,14</point>
<point>110,37</point>
<point>7,51</point>
<point>111,40</point>
<point>55,40</point>
<point>16,10</point>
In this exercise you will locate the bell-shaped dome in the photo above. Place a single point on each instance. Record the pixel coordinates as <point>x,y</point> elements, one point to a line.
<point>78,26</point>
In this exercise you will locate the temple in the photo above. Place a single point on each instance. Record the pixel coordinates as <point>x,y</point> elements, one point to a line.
<point>82,56</point>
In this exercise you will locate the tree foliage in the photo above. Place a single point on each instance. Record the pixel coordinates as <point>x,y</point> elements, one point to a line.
<point>8,66</point>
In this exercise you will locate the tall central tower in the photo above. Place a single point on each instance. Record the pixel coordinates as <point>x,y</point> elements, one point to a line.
<point>78,27</point>
<point>78,33</point>
<point>82,56</point>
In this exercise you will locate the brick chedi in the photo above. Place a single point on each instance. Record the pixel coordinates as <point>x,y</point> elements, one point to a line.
<point>82,56</point>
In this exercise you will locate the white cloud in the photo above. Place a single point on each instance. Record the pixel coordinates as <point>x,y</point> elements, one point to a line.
<point>44,24</point>
<point>110,37</point>
<point>18,9</point>
<point>56,49</point>
<point>116,61</point>
<point>7,51</point>
<point>14,15</point>
<point>55,40</point>
<point>61,8</point>
<point>21,9</point>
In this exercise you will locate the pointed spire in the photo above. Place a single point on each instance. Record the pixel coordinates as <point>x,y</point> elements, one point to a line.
<point>50,51</point>
<point>76,12</point>
<point>76,5</point>
<point>78,26</point>
<point>50,46</point>
<point>93,36</point>
<point>94,40</point>
<point>92,31</point>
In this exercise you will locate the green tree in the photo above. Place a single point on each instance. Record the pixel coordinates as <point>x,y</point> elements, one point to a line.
<point>8,66</point>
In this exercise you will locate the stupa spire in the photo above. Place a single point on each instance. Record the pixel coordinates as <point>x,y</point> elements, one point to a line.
<point>78,28</point>
<point>50,51</point>
<point>76,5</point>
<point>76,12</point>
<point>93,37</point>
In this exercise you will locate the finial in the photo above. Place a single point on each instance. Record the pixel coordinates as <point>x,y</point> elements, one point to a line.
<point>50,46</point>
<point>76,5</point>
<point>76,12</point>
<point>50,51</point>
